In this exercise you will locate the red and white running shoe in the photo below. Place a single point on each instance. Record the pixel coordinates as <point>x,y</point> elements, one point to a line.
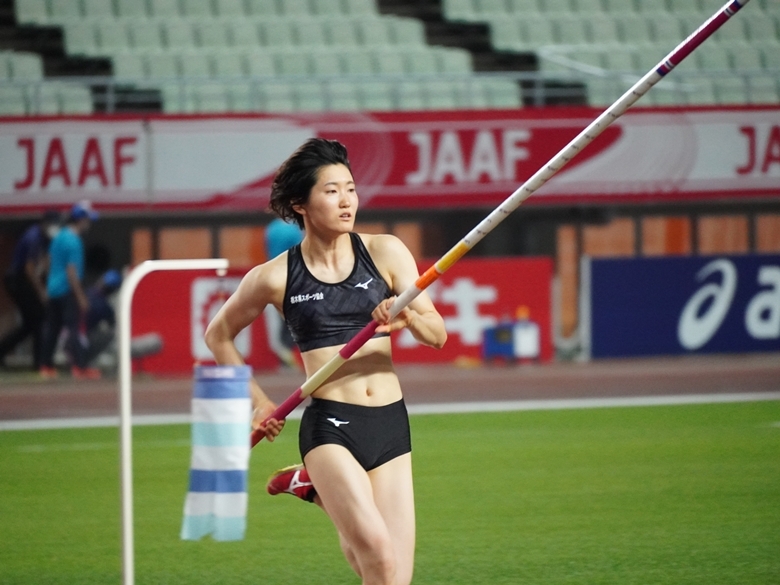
<point>292,480</point>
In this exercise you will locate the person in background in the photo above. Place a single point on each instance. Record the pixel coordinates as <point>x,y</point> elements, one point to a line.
<point>101,318</point>
<point>68,304</point>
<point>280,236</point>
<point>25,282</point>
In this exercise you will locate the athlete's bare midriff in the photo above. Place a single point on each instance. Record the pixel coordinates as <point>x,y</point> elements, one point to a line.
<point>366,379</point>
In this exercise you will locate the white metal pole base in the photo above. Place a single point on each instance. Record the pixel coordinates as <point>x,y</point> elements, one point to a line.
<point>125,400</point>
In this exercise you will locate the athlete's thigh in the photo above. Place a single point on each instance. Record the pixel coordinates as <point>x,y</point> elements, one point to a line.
<point>346,493</point>
<point>394,497</point>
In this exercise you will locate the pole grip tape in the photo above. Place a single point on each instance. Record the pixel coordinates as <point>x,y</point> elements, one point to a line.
<point>443,265</point>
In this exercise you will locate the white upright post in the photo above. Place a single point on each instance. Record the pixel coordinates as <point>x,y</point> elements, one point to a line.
<point>124,331</point>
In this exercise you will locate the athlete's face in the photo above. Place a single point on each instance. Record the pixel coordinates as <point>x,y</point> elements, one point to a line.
<point>333,200</point>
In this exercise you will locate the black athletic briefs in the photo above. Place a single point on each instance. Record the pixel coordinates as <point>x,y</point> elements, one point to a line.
<point>373,435</point>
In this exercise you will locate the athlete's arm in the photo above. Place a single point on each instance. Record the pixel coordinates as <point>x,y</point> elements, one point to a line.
<point>255,291</point>
<point>395,260</point>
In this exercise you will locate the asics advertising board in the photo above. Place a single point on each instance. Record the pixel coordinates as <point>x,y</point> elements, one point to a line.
<point>684,305</point>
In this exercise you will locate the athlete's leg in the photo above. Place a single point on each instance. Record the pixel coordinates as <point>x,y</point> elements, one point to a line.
<point>295,480</point>
<point>347,495</point>
<point>349,554</point>
<point>394,497</point>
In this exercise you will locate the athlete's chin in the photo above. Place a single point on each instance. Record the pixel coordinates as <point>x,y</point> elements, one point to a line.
<point>340,225</point>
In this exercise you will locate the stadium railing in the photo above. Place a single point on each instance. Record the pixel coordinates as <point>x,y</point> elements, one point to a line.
<point>567,83</point>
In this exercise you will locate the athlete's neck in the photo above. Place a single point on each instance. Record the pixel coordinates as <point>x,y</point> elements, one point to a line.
<point>332,254</point>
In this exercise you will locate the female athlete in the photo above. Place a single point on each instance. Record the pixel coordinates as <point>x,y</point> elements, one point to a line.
<point>354,437</point>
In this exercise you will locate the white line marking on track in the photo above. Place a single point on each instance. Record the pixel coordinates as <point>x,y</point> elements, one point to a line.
<point>577,403</point>
<point>415,409</point>
<point>92,422</point>
<point>40,448</point>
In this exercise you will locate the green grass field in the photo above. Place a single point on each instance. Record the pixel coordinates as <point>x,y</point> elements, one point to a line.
<point>654,495</point>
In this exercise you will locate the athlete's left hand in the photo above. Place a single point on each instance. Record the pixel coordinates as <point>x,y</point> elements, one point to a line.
<point>273,427</point>
<point>382,316</point>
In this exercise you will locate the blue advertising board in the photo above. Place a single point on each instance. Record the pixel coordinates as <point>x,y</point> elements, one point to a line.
<point>684,305</point>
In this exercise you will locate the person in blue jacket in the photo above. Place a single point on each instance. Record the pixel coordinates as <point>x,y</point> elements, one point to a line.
<point>25,282</point>
<point>101,317</point>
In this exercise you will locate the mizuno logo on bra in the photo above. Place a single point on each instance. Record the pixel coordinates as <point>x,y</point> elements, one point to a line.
<point>364,285</point>
<point>318,296</point>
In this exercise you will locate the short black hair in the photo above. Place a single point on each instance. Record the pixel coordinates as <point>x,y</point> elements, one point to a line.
<point>298,174</point>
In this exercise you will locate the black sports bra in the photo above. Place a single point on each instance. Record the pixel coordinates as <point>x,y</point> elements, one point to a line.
<point>322,314</point>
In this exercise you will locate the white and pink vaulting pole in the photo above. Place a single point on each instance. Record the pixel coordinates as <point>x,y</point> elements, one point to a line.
<point>543,175</point>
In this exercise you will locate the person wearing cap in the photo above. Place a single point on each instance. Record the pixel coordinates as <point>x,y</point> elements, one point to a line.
<point>25,282</point>
<point>68,303</point>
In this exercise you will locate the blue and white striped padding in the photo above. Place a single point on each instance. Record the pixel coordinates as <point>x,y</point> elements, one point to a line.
<point>216,503</point>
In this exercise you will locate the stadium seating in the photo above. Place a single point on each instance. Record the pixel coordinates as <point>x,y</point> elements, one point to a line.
<point>194,45</point>
<point>186,48</point>
<point>579,37</point>
<point>25,90</point>
<point>131,8</point>
<point>32,12</point>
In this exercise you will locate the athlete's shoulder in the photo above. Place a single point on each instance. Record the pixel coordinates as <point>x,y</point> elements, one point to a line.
<point>269,276</point>
<point>382,243</point>
<point>391,256</point>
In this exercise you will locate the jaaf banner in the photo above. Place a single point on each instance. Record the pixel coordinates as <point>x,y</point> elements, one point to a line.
<point>399,159</point>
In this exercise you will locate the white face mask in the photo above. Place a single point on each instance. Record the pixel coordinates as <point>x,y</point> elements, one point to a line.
<point>52,231</point>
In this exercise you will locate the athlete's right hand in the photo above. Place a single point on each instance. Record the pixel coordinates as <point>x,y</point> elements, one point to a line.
<point>381,314</point>
<point>273,427</point>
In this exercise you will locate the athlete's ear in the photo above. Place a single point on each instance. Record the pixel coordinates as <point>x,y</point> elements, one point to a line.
<point>299,209</point>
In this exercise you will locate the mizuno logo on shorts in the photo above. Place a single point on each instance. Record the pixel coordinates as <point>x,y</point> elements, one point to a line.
<point>337,423</point>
